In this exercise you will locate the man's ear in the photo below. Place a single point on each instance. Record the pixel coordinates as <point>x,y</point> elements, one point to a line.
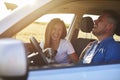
<point>110,27</point>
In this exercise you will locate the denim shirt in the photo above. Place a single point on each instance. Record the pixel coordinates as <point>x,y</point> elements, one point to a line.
<point>108,51</point>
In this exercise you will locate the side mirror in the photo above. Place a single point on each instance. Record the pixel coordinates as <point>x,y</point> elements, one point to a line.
<point>13,58</point>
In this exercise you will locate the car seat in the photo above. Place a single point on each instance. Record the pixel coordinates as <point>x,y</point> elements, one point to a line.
<point>86,25</point>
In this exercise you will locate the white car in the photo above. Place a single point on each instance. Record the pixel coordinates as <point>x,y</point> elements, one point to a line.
<point>24,22</point>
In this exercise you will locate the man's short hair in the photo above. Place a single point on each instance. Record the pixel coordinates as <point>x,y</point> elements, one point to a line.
<point>115,17</point>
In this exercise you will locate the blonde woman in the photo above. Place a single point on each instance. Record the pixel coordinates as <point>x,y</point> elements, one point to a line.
<point>55,38</point>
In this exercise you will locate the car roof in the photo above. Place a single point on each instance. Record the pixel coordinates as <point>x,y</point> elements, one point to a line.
<point>21,17</point>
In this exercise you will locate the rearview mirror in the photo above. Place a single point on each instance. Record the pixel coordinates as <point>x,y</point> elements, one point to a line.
<point>13,58</point>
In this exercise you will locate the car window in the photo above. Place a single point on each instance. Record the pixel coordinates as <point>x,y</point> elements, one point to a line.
<point>116,37</point>
<point>8,6</point>
<point>82,34</point>
<point>90,35</point>
<point>37,28</point>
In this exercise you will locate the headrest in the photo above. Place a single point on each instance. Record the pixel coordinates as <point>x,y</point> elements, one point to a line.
<point>117,30</point>
<point>86,24</point>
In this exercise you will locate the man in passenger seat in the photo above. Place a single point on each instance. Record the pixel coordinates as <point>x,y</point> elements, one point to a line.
<point>106,49</point>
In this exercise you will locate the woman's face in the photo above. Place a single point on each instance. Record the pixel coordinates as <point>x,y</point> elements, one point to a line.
<point>56,32</point>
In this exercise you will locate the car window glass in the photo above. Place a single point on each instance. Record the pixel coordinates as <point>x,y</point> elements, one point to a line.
<point>8,6</point>
<point>116,37</point>
<point>37,28</point>
<point>90,35</point>
<point>82,34</point>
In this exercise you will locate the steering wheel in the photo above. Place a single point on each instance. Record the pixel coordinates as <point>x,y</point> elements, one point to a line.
<point>40,58</point>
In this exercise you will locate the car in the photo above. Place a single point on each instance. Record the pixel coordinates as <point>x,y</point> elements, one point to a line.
<point>13,26</point>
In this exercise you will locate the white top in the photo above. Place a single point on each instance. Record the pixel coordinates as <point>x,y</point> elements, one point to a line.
<point>65,48</point>
<point>89,56</point>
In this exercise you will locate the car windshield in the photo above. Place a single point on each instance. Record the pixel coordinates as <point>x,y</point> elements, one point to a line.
<point>8,6</point>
